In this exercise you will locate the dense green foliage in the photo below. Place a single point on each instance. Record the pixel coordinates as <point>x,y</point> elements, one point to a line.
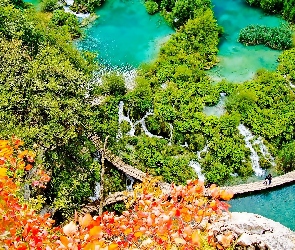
<point>266,106</point>
<point>276,38</point>
<point>43,84</point>
<point>177,13</point>
<point>50,5</point>
<point>85,6</point>
<point>283,7</point>
<point>151,7</point>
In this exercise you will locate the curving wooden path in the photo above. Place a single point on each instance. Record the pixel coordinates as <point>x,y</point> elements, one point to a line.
<point>139,175</point>
<point>259,186</point>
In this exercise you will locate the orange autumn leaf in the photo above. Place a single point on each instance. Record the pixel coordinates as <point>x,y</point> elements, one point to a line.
<point>95,231</point>
<point>64,240</point>
<point>113,246</point>
<point>86,220</point>
<point>28,167</point>
<point>226,195</point>
<point>127,231</point>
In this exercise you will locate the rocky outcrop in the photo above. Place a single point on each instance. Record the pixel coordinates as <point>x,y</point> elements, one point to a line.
<point>252,231</point>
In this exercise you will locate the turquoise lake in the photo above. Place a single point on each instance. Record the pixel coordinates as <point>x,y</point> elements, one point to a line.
<point>278,205</point>
<point>125,35</point>
<point>238,62</point>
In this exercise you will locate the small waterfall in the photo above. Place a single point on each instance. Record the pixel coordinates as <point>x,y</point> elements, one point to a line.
<point>171,134</point>
<point>196,165</point>
<point>96,192</point>
<point>217,110</point>
<point>248,137</point>
<point>122,118</point>
<point>264,151</point>
<point>67,9</point>
<point>129,183</point>
<point>131,132</point>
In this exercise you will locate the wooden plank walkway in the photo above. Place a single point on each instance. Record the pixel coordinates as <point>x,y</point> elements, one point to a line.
<point>259,186</point>
<point>139,175</point>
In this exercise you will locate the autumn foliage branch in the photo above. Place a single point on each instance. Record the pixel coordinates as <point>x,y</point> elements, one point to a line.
<point>179,218</point>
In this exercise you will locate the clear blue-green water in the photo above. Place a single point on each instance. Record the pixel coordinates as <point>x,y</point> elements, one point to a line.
<point>125,34</point>
<point>238,62</point>
<point>35,2</point>
<point>278,205</point>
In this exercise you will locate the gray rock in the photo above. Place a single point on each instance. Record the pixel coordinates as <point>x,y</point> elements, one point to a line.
<point>252,231</point>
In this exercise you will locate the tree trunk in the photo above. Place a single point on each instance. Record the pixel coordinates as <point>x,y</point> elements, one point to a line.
<point>102,177</point>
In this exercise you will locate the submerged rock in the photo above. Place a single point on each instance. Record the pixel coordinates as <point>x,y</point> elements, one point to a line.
<point>252,231</point>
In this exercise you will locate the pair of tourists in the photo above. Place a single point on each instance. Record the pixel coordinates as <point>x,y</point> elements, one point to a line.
<point>268,179</point>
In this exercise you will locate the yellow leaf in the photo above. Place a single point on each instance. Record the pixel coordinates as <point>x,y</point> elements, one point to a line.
<point>89,246</point>
<point>138,234</point>
<point>196,238</point>
<point>95,231</point>
<point>179,241</point>
<point>3,172</point>
<point>127,231</point>
<point>163,237</point>
<point>113,246</point>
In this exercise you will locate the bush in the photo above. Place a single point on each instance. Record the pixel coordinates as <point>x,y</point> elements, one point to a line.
<point>284,7</point>
<point>276,38</point>
<point>68,21</point>
<point>151,7</point>
<point>49,5</point>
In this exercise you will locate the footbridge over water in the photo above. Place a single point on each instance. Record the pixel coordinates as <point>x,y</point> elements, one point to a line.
<point>139,175</point>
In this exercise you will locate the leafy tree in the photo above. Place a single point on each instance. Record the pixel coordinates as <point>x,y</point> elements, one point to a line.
<point>43,84</point>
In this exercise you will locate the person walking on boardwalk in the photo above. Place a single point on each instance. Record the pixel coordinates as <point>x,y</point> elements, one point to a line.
<point>265,180</point>
<point>269,179</point>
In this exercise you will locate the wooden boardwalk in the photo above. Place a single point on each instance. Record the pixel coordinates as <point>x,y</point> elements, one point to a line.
<point>259,186</point>
<point>139,175</point>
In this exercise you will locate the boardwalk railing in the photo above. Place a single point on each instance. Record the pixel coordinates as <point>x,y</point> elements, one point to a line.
<point>139,175</point>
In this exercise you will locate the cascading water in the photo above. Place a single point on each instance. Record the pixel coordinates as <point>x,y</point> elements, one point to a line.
<point>129,183</point>
<point>264,151</point>
<point>131,132</point>
<point>248,137</point>
<point>96,192</point>
<point>196,165</point>
<point>217,110</point>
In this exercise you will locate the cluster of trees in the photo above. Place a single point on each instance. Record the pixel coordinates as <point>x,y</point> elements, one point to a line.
<point>175,12</point>
<point>154,219</point>
<point>86,6</point>
<point>283,7</point>
<point>274,37</point>
<point>43,85</point>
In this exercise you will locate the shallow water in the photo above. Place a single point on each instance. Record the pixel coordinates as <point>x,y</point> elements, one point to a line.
<point>125,34</point>
<point>278,205</point>
<point>34,2</point>
<point>238,62</point>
